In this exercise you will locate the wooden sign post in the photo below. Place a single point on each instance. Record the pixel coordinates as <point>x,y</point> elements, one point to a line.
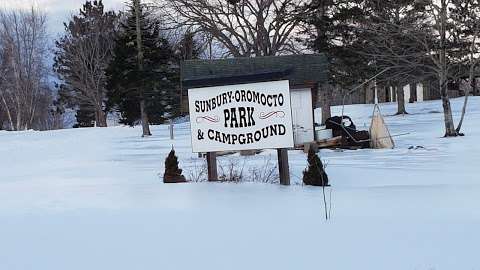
<point>212,166</point>
<point>283,167</point>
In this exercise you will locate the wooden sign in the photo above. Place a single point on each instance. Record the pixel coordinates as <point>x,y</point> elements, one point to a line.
<point>241,117</point>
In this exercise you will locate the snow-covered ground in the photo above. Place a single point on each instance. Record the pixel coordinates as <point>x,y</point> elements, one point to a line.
<point>93,199</point>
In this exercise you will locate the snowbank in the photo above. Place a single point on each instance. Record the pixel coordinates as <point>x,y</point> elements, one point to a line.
<point>93,199</point>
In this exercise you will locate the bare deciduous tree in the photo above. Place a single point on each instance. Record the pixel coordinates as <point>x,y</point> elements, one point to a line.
<point>438,10</point>
<point>426,47</point>
<point>442,49</point>
<point>465,15</point>
<point>82,57</point>
<point>244,28</point>
<point>24,92</point>
<point>388,45</point>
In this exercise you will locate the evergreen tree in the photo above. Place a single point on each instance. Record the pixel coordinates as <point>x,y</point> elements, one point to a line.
<point>85,116</point>
<point>315,174</point>
<point>173,174</point>
<point>333,28</point>
<point>157,82</point>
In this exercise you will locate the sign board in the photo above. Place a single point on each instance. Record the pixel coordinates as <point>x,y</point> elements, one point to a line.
<point>241,117</point>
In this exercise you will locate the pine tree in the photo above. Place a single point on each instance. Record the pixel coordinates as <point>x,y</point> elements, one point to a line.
<point>156,82</point>
<point>85,116</point>
<point>315,174</point>
<point>333,27</point>
<point>173,174</point>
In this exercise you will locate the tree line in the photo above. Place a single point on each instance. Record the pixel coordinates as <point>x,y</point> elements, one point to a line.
<point>128,61</point>
<point>123,62</point>
<point>404,42</point>
<point>397,42</point>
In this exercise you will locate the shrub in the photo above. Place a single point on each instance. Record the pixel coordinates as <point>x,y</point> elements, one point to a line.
<point>315,174</point>
<point>173,174</point>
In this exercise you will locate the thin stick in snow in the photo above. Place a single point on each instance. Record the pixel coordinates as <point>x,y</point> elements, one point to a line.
<point>325,203</point>
<point>330,206</point>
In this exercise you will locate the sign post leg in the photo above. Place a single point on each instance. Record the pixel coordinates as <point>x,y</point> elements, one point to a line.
<point>212,166</point>
<point>283,166</point>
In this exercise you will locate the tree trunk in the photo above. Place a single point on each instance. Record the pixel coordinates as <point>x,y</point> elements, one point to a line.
<point>388,94</point>
<point>145,126</point>
<point>18,125</point>
<point>464,108</point>
<point>401,100</point>
<point>9,115</point>
<point>475,91</point>
<point>447,109</point>
<point>394,93</point>
<point>428,87</point>
<point>413,92</point>
<point>471,89</point>
<point>448,118</point>
<point>369,93</point>
<point>381,93</point>
<point>143,112</point>
<point>326,104</point>
<point>101,118</point>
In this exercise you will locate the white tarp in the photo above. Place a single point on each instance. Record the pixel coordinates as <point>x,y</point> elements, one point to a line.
<point>379,134</point>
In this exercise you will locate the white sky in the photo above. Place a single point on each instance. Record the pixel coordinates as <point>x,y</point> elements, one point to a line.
<point>57,11</point>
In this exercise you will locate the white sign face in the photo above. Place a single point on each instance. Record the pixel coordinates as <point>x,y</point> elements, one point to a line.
<point>241,117</point>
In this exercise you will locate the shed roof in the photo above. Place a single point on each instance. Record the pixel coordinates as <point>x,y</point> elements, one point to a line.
<point>298,69</point>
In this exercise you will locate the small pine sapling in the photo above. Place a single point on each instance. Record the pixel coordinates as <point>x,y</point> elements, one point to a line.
<point>315,174</point>
<point>173,174</point>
